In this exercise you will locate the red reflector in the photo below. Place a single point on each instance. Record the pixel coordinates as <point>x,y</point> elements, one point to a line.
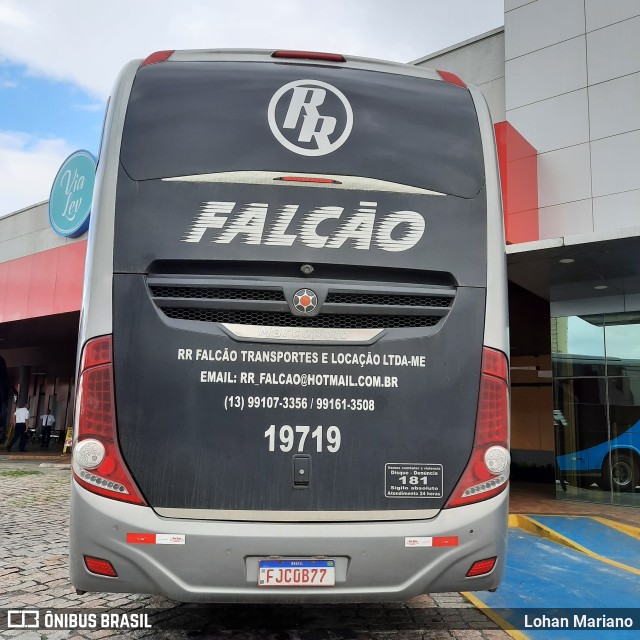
<point>445,541</point>
<point>309,55</point>
<point>304,179</point>
<point>452,78</point>
<point>158,56</point>
<point>481,567</point>
<point>99,566</point>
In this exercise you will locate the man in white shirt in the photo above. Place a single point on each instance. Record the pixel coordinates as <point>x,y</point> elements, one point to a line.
<point>47,421</point>
<point>20,433</point>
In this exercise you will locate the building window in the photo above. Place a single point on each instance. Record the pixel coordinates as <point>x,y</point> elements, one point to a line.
<point>596,383</point>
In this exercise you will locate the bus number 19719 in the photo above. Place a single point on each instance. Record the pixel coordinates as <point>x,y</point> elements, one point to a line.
<point>300,435</point>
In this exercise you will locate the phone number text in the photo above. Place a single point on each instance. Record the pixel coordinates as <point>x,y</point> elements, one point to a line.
<point>300,403</point>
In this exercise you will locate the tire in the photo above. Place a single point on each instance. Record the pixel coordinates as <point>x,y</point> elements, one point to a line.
<point>620,472</point>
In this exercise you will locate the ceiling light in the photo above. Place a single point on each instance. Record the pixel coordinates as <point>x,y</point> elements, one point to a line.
<point>566,260</point>
<point>601,286</point>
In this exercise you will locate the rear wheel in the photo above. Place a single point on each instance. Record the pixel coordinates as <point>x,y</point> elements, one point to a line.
<point>620,472</point>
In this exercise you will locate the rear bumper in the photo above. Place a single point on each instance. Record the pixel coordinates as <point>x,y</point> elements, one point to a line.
<point>218,561</point>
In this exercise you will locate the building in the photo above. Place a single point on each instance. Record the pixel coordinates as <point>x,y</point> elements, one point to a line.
<point>562,80</point>
<point>563,83</point>
<point>41,277</point>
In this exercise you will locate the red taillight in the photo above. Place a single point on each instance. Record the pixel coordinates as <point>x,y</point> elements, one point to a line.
<point>494,363</point>
<point>100,566</point>
<point>97,462</point>
<point>158,56</point>
<point>309,55</point>
<point>96,352</point>
<point>482,567</point>
<point>452,78</point>
<point>307,179</point>
<point>487,471</point>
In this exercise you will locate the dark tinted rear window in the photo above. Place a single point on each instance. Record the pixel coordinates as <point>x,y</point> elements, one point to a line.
<point>189,118</point>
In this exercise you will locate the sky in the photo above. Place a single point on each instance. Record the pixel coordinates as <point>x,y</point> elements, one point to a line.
<point>59,58</point>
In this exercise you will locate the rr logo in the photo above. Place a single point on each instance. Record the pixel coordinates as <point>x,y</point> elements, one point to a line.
<point>317,133</point>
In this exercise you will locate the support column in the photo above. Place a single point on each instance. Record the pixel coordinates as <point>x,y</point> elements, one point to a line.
<point>24,380</point>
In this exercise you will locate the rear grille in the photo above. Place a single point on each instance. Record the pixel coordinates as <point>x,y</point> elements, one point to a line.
<point>391,299</point>
<point>323,321</point>
<point>269,302</point>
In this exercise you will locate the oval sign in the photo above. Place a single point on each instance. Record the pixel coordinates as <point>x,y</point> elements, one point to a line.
<point>71,194</point>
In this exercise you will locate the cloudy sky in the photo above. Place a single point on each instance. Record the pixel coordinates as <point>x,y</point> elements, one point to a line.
<point>58,59</point>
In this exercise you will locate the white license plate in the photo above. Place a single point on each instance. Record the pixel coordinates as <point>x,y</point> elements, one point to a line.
<point>297,573</point>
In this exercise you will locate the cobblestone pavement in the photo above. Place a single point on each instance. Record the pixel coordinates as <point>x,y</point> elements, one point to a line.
<point>34,518</point>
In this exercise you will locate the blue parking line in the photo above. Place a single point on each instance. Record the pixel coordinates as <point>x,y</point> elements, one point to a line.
<point>597,537</point>
<point>544,575</point>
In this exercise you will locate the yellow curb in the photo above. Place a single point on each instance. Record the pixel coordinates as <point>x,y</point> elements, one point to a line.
<point>630,530</point>
<point>498,619</point>
<point>533,526</point>
<point>514,521</point>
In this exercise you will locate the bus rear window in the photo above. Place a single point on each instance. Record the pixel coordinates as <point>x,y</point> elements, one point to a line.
<point>194,118</point>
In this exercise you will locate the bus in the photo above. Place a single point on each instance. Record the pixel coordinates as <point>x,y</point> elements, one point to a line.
<point>597,420</point>
<point>293,357</point>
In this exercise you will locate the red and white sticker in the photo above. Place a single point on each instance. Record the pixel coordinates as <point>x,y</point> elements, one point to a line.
<point>431,541</point>
<point>156,538</point>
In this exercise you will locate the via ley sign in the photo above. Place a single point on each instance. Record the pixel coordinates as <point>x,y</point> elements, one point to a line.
<point>71,193</point>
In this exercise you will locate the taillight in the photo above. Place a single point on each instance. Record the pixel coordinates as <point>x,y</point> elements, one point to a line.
<point>98,465</point>
<point>452,78</point>
<point>487,471</point>
<point>158,56</point>
<point>96,352</point>
<point>309,55</point>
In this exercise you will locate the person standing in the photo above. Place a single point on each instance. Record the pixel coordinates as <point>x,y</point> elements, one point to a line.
<point>20,433</point>
<point>47,424</point>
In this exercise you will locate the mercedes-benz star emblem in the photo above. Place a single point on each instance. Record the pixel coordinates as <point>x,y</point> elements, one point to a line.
<point>305,300</point>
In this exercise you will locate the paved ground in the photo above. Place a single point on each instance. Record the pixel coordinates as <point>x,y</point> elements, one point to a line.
<point>34,515</point>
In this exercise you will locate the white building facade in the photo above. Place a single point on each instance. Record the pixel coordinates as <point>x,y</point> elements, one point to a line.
<point>565,77</point>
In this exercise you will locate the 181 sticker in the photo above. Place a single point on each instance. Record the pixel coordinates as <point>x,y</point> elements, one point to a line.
<point>406,480</point>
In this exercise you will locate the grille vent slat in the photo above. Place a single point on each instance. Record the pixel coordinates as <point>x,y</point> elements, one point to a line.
<point>391,299</point>
<point>215,293</point>
<point>323,321</point>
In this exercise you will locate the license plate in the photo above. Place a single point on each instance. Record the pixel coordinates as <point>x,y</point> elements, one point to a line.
<point>297,573</point>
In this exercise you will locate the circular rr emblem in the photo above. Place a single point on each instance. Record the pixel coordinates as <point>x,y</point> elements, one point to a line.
<point>305,300</point>
<point>310,117</point>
